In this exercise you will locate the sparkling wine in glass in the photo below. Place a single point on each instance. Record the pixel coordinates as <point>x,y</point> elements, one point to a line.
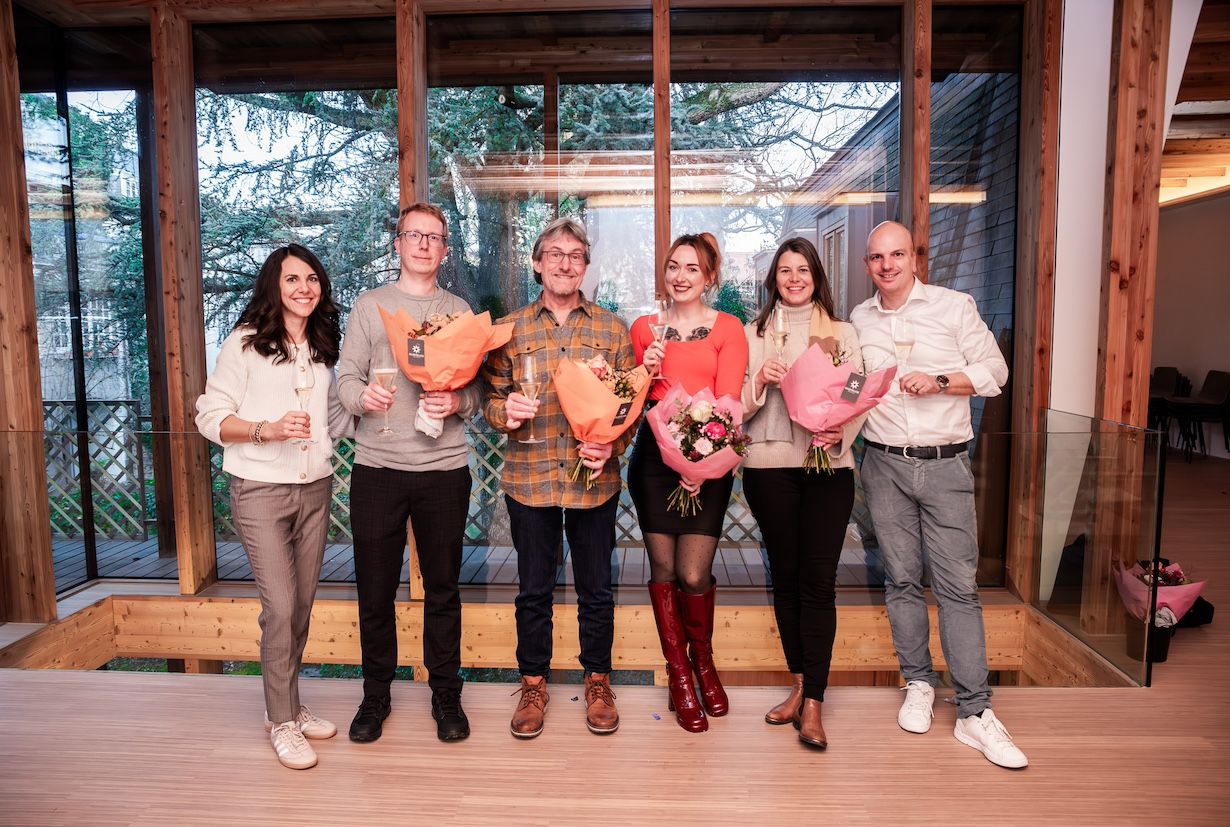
<point>903,340</point>
<point>660,320</point>
<point>384,374</point>
<point>779,331</point>
<point>305,380</point>
<point>529,381</point>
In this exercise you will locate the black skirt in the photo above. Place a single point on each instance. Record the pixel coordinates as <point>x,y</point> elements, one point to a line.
<point>650,482</point>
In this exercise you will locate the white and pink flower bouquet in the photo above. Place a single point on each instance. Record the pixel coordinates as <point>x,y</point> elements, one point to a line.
<point>823,391</point>
<point>1176,592</point>
<point>700,438</point>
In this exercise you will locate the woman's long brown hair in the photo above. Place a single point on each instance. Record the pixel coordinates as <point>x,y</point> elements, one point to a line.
<point>820,293</point>
<point>264,311</point>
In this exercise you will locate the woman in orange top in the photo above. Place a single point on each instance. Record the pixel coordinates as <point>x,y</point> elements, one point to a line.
<point>701,348</point>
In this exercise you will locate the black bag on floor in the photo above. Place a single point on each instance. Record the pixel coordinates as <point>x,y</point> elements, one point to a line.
<point>1199,614</point>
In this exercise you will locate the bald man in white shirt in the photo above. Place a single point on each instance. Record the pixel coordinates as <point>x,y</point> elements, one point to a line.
<point>918,482</point>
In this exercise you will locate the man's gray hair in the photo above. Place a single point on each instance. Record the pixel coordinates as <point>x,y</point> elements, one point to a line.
<point>562,226</point>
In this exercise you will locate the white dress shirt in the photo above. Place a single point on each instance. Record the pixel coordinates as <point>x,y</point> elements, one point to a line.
<point>948,337</point>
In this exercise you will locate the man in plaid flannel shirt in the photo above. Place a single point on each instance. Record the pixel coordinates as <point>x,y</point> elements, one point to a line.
<point>542,501</point>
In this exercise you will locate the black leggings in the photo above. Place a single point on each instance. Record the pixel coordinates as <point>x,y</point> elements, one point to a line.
<point>803,519</point>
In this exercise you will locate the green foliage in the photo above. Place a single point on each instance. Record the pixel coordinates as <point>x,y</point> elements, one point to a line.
<point>729,301</point>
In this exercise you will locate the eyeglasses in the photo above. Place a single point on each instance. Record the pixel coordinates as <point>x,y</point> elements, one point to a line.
<point>433,239</point>
<point>556,256</point>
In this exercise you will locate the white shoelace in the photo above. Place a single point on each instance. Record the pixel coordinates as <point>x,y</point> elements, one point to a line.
<point>306,718</point>
<point>916,700</point>
<point>995,730</point>
<point>288,737</point>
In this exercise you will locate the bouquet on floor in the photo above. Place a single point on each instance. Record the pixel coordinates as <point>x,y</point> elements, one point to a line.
<point>600,403</point>
<point>700,438</point>
<point>1176,592</point>
<point>823,391</point>
<point>443,352</point>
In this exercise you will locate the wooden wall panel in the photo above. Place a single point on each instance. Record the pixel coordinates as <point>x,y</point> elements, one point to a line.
<point>915,169</point>
<point>661,139</point>
<point>27,580</point>
<point>1052,657</point>
<point>83,640</point>
<point>745,638</point>
<point>412,101</point>
<point>1037,203</point>
<point>179,217</point>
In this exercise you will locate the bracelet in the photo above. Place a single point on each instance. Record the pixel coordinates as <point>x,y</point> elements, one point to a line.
<point>256,432</point>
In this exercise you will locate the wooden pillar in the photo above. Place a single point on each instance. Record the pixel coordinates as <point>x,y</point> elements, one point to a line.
<point>179,225</point>
<point>27,579</point>
<point>550,138</point>
<point>1035,294</point>
<point>1135,136</point>
<point>411,101</point>
<point>915,171</point>
<point>661,138</point>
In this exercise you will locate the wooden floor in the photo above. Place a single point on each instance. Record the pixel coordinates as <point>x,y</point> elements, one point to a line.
<point>104,748</point>
<point>480,566</point>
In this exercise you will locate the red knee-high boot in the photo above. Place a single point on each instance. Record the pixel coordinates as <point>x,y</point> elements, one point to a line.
<point>697,610</point>
<point>687,708</point>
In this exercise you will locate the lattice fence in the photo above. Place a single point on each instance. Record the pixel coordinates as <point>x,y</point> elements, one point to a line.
<point>118,474</point>
<point>487,521</point>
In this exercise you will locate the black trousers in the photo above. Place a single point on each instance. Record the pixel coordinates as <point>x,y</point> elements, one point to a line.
<point>436,502</point>
<point>536,534</point>
<point>803,519</point>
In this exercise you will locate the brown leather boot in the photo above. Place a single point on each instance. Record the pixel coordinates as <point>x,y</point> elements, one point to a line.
<point>697,611</point>
<point>811,728</point>
<point>688,712</point>
<point>786,711</point>
<point>600,714</point>
<point>532,708</point>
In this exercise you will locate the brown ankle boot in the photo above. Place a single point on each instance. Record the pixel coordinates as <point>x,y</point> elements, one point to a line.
<point>786,711</point>
<point>600,714</point>
<point>532,708</point>
<point>811,728</point>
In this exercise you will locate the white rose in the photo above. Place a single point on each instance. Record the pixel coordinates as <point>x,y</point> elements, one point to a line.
<point>703,447</point>
<point>701,411</point>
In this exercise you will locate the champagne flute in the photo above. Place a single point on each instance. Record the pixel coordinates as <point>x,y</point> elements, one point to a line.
<point>903,340</point>
<point>779,330</point>
<point>530,382</point>
<point>658,325</point>
<point>304,381</point>
<point>385,372</point>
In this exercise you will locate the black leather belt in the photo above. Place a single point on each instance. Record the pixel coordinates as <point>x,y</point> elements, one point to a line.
<point>920,451</point>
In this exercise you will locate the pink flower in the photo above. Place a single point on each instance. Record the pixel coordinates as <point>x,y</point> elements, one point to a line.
<point>599,366</point>
<point>714,430</point>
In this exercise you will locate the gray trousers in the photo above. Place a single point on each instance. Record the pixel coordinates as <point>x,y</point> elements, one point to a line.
<point>923,510</point>
<point>282,528</point>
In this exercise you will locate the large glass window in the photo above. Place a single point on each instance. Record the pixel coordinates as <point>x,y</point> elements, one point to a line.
<point>975,104</point>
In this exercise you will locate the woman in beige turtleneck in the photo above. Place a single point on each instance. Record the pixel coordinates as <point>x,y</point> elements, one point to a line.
<point>802,515</point>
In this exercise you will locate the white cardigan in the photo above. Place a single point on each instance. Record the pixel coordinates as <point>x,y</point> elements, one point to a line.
<point>252,387</point>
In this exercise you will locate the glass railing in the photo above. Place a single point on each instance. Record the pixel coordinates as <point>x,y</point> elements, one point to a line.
<point>1100,515</point>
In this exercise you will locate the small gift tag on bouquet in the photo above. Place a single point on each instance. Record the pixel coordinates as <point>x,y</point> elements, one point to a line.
<point>416,353</point>
<point>621,415</point>
<point>854,387</point>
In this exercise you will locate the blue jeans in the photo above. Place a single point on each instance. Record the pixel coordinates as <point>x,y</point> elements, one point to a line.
<point>536,534</point>
<point>923,510</point>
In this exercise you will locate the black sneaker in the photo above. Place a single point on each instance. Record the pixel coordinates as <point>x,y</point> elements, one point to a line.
<point>367,722</point>
<point>451,721</point>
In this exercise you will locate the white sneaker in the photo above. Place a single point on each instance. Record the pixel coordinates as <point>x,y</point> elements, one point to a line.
<point>987,735</point>
<point>309,724</point>
<point>915,713</point>
<point>292,748</point>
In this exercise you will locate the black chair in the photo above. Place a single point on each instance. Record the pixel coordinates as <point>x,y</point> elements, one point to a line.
<point>1165,382</point>
<point>1212,404</point>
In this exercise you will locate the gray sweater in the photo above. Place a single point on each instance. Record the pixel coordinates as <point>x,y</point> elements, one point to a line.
<point>406,450</point>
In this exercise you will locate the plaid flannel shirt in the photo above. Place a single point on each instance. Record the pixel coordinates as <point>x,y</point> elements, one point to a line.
<point>537,474</point>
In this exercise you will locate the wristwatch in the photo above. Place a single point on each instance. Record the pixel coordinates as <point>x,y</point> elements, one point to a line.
<point>942,381</point>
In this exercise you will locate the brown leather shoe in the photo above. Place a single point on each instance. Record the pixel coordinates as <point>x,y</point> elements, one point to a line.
<point>786,711</point>
<point>532,708</point>
<point>600,714</point>
<point>811,729</point>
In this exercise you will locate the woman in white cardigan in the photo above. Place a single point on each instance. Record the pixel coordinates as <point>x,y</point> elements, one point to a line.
<point>278,451</point>
<point>802,514</point>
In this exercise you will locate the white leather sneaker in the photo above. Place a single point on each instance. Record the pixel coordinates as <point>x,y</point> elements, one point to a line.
<point>986,734</point>
<point>292,748</point>
<point>309,724</point>
<point>915,713</point>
